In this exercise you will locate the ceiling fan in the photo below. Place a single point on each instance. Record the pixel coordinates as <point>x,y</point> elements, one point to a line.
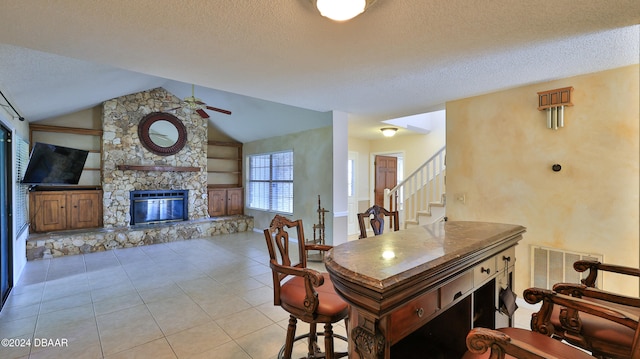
<point>199,106</point>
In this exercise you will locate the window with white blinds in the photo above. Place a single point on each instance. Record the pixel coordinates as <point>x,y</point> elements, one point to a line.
<point>270,185</point>
<point>21,194</point>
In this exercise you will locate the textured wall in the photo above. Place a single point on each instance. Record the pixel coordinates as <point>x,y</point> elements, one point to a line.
<point>312,176</point>
<point>500,153</point>
<point>121,145</point>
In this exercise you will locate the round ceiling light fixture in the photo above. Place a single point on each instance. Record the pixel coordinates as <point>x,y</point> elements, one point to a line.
<point>389,131</point>
<point>342,10</point>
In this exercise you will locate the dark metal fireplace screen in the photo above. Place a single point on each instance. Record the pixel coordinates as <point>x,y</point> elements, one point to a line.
<point>159,206</point>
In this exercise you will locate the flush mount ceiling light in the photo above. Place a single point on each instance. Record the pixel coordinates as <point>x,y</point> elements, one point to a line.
<point>342,10</point>
<point>388,131</point>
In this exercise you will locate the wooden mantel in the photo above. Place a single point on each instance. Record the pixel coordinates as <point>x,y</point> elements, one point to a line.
<point>157,168</point>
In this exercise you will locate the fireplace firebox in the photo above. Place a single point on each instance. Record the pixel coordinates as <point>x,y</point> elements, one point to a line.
<point>159,206</point>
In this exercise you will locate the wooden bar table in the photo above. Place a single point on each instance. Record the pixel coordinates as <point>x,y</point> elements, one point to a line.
<point>420,290</point>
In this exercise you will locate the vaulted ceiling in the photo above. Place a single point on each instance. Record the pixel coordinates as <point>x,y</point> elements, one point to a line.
<point>399,58</point>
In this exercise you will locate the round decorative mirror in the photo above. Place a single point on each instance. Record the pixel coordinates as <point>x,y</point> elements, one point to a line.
<point>162,133</point>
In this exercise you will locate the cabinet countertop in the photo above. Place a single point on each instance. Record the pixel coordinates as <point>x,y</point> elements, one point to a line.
<point>420,251</point>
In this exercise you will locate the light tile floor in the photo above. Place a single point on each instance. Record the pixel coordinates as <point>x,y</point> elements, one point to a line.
<point>201,298</point>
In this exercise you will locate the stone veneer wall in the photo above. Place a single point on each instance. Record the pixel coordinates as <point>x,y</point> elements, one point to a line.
<point>121,145</point>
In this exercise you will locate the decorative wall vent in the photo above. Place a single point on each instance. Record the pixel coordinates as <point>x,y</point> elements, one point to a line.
<point>550,266</point>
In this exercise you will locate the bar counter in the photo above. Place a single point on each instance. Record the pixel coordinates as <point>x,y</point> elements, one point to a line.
<point>398,282</point>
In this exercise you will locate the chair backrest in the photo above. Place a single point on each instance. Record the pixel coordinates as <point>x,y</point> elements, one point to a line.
<point>572,306</point>
<point>480,340</point>
<point>278,245</point>
<point>376,216</point>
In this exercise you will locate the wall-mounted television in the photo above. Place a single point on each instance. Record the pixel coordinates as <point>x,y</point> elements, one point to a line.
<point>51,164</point>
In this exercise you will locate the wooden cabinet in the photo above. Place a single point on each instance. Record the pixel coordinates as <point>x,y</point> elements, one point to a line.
<point>235,201</point>
<point>58,210</point>
<point>225,201</point>
<point>441,281</point>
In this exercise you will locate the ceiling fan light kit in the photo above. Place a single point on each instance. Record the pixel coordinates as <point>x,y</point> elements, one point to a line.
<point>197,105</point>
<point>342,10</point>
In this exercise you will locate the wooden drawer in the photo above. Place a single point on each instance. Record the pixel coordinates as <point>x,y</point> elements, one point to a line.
<point>413,315</point>
<point>484,271</point>
<point>456,288</point>
<point>507,256</point>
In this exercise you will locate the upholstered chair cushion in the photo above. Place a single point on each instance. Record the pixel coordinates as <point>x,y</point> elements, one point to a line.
<point>330,305</point>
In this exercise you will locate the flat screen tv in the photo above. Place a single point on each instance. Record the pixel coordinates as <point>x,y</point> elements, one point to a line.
<point>51,164</point>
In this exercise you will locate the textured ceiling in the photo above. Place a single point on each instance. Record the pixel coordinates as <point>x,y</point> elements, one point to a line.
<point>399,58</point>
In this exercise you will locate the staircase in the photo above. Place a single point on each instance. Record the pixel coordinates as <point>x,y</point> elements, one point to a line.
<point>420,198</point>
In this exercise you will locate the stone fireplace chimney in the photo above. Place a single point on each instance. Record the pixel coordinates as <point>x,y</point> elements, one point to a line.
<point>121,146</point>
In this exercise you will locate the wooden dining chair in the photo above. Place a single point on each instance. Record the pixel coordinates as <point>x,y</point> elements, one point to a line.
<point>304,293</point>
<point>376,215</point>
<point>605,339</point>
<point>538,343</point>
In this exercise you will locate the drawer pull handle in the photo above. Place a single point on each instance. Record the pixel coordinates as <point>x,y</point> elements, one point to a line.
<point>457,295</point>
<point>485,270</point>
<point>420,312</point>
<point>507,259</point>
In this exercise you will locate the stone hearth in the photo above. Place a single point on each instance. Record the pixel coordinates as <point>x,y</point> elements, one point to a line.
<point>57,244</point>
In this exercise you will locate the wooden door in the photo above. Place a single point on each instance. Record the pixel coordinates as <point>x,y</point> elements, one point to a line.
<point>217,202</point>
<point>49,211</point>
<point>386,176</point>
<point>235,204</point>
<point>86,210</point>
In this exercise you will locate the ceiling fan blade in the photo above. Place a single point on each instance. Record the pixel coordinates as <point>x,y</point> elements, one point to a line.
<point>202,113</point>
<point>226,112</point>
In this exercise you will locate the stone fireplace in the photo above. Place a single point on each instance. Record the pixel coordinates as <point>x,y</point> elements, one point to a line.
<point>128,167</point>
<point>121,146</point>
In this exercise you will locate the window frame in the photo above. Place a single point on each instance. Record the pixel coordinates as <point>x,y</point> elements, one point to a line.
<point>272,201</point>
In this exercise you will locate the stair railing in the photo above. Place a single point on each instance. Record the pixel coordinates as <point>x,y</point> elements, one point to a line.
<point>424,185</point>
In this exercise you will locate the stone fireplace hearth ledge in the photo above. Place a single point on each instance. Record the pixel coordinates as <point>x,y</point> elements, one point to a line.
<point>63,243</point>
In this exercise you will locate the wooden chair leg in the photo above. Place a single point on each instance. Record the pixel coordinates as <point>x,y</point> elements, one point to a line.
<point>313,341</point>
<point>328,341</point>
<point>291,334</point>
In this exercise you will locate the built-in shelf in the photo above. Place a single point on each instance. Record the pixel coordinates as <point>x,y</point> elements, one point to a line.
<point>224,164</point>
<point>157,168</point>
<point>86,139</point>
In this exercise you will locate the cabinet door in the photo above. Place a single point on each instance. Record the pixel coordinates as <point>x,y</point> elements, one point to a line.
<point>235,204</point>
<point>217,202</point>
<point>85,210</point>
<point>48,211</point>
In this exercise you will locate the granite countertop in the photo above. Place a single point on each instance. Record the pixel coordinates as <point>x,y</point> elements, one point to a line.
<point>380,262</point>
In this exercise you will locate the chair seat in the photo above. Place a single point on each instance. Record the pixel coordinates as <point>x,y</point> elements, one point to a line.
<point>549,345</point>
<point>331,306</point>
<point>599,330</point>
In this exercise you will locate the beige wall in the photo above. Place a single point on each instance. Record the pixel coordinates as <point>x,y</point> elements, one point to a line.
<point>362,149</point>
<point>313,171</point>
<point>500,153</point>
<point>89,118</point>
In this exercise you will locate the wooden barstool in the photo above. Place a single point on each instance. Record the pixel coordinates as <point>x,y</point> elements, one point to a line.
<point>306,294</point>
